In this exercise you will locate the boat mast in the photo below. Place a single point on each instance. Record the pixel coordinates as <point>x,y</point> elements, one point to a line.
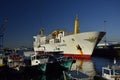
<point>76,27</point>
<point>41,32</point>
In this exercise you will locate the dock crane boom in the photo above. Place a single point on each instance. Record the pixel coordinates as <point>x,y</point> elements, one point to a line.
<point>2,31</point>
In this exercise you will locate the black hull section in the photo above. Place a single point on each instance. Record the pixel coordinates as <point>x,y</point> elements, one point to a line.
<point>54,67</point>
<point>28,70</point>
<point>107,53</point>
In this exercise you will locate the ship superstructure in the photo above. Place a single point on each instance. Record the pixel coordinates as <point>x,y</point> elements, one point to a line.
<point>75,44</point>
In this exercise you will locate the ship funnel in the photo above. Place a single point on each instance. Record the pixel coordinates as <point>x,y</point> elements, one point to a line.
<point>41,32</point>
<point>76,27</point>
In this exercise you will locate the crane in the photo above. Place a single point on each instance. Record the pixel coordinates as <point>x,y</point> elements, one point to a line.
<point>2,31</point>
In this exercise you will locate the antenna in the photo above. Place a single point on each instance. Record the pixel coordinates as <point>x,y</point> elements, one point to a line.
<point>105,39</point>
<point>2,31</point>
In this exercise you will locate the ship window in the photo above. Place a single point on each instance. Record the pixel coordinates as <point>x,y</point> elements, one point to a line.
<point>33,57</point>
<point>106,71</point>
<point>37,57</point>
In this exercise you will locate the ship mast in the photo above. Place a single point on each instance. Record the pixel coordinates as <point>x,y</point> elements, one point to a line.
<point>41,32</point>
<point>76,27</point>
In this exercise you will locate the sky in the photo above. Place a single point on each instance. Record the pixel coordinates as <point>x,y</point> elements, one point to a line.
<point>27,17</point>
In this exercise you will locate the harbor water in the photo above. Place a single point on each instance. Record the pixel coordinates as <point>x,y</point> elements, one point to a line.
<point>91,67</point>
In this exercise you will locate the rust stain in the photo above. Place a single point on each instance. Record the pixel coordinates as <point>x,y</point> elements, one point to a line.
<point>77,46</point>
<point>81,63</point>
<point>79,49</point>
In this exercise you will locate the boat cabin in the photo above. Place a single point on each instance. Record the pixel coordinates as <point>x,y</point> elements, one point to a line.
<point>39,59</point>
<point>111,72</point>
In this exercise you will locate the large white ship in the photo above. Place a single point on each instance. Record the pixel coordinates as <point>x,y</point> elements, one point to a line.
<point>79,45</point>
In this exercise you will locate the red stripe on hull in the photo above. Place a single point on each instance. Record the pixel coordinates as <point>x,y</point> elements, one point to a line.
<point>77,56</point>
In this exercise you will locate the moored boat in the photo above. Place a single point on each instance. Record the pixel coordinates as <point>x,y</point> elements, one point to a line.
<point>39,62</point>
<point>15,61</point>
<point>111,72</point>
<point>66,62</point>
<point>79,45</point>
<point>48,62</point>
<point>59,63</point>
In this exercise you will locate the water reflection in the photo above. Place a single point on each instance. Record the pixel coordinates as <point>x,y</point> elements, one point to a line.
<point>84,66</point>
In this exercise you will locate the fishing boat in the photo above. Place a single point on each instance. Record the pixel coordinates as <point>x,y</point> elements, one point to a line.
<point>58,63</point>
<point>66,62</point>
<point>37,65</point>
<point>77,44</point>
<point>63,62</point>
<point>47,62</point>
<point>39,62</point>
<point>15,61</point>
<point>111,72</point>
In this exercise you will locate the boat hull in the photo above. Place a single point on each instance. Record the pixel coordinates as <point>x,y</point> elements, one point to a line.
<point>67,64</point>
<point>36,69</point>
<point>79,45</point>
<point>57,67</point>
<point>59,64</point>
<point>77,56</point>
<point>41,67</point>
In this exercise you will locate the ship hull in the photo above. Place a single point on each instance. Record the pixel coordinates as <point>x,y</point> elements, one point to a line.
<point>79,45</point>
